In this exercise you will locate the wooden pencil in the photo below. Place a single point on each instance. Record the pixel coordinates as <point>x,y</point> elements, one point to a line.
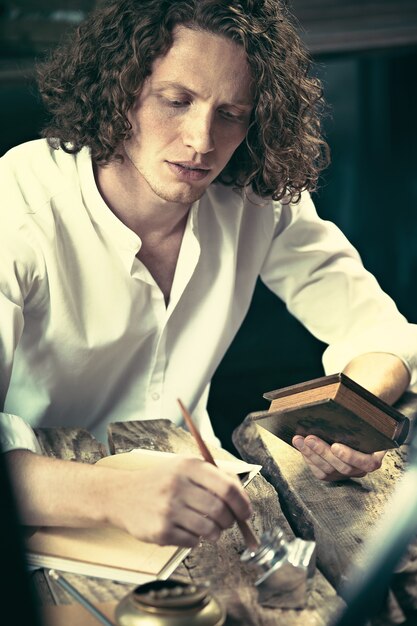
<point>249,536</point>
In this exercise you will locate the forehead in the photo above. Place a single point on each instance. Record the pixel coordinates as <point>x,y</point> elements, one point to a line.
<point>203,62</point>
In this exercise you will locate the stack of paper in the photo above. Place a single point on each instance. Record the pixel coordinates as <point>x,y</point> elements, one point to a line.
<point>109,552</point>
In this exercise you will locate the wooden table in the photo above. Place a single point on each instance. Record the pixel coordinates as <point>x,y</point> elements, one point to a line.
<point>337,516</point>
<point>220,564</point>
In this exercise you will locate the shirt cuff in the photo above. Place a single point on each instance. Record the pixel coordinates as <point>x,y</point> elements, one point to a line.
<point>400,341</point>
<point>16,434</point>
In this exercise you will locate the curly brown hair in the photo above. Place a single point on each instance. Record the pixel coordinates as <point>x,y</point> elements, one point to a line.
<point>90,83</point>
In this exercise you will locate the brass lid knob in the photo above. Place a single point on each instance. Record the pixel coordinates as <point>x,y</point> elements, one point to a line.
<point>170,594</point>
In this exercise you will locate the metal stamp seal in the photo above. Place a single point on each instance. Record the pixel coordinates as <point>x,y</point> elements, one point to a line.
<point>170,603</point>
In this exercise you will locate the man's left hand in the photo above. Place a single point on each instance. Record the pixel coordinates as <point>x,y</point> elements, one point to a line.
<point>336,461</point>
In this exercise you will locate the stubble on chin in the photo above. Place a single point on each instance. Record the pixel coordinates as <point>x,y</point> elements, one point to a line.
<point>186,196</point>
<point>166,191</point>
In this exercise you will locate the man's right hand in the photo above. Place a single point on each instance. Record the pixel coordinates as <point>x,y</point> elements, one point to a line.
<point>185,500</point>
<point>181,501</point>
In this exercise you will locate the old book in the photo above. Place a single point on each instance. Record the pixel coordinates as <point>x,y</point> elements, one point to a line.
<point>109,552</point>
<point>336,409</point>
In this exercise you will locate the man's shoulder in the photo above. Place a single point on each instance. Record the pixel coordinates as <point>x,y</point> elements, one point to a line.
<point>36,182</point>
<point>35,171</point>
<point>35,149</point>
<point>26,162</point>
<point>36,153</point>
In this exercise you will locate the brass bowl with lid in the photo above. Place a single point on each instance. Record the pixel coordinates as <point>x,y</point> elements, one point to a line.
<point>169,603</point>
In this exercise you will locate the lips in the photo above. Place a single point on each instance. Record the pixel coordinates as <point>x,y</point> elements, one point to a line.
<point>189,171</point>
<point>190,165</point>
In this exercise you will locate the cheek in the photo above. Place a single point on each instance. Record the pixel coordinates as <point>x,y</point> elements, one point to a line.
<point>147,121</point>
<point>161,127</point>
<point>229,140</point>
<point>152,138</point>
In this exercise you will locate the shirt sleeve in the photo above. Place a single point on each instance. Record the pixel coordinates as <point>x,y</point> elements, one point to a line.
<point>16,434</point>
<point>18,279</point>
<point>320,276</point>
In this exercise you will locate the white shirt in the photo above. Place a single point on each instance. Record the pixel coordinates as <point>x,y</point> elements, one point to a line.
<point>85,336</point>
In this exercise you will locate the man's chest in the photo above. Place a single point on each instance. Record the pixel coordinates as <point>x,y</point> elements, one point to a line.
<point>160,258</point>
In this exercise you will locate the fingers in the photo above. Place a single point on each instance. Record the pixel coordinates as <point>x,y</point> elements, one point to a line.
<point>221,495</point>
<point>210,507</point>
<point>365,462</point>
<point>203,526</point>
<point>198,501</point>
<point>187,528</point>
<point>336,462</point>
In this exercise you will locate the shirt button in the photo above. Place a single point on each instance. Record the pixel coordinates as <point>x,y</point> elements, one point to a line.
<point>155,396</point>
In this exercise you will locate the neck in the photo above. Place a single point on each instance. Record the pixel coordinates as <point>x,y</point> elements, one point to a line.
<point>159,224</point>
<point>131,199</point>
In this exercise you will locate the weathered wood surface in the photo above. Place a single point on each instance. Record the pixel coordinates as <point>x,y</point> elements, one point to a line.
<point>220,563</point>
<point>160,435</point>
<point>74,444</point>
<point>338,516</point>
<point>71,444</point>
<point>231,582</point>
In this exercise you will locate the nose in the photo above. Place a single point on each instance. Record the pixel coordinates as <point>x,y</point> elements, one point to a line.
<point>198,131</point>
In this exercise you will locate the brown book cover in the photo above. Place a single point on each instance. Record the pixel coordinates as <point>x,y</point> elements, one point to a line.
<point>336,409</point>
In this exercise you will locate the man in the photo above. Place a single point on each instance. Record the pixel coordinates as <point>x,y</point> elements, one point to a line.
<point>183,141</point>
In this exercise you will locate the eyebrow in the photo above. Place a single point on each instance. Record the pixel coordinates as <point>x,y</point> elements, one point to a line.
<point>170,84</point>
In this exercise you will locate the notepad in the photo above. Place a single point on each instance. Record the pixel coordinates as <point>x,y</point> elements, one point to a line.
<point>112,553</point>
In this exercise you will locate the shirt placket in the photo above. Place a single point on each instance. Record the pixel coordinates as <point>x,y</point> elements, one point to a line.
<point>187,261</point>
<point>154,392</point>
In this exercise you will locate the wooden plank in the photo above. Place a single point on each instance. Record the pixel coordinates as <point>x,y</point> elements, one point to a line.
<point>336,26</point>
<point>338,41</point>
<point>232,583</point>
<point>74,444</point>
<point>339,516</point>
<point>219,563</point>
<point>160,435</point>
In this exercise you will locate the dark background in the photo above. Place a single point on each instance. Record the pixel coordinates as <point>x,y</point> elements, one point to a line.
<point>366,55</point>
<point>370,192</point>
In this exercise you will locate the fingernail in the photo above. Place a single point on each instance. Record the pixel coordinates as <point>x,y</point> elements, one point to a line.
<point>312,444</point>
<point>298,442</point>
<point>336,448</point>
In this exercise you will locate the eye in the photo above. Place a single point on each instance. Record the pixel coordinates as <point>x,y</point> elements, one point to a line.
<point>231,117</point>
<point>176,103</point>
